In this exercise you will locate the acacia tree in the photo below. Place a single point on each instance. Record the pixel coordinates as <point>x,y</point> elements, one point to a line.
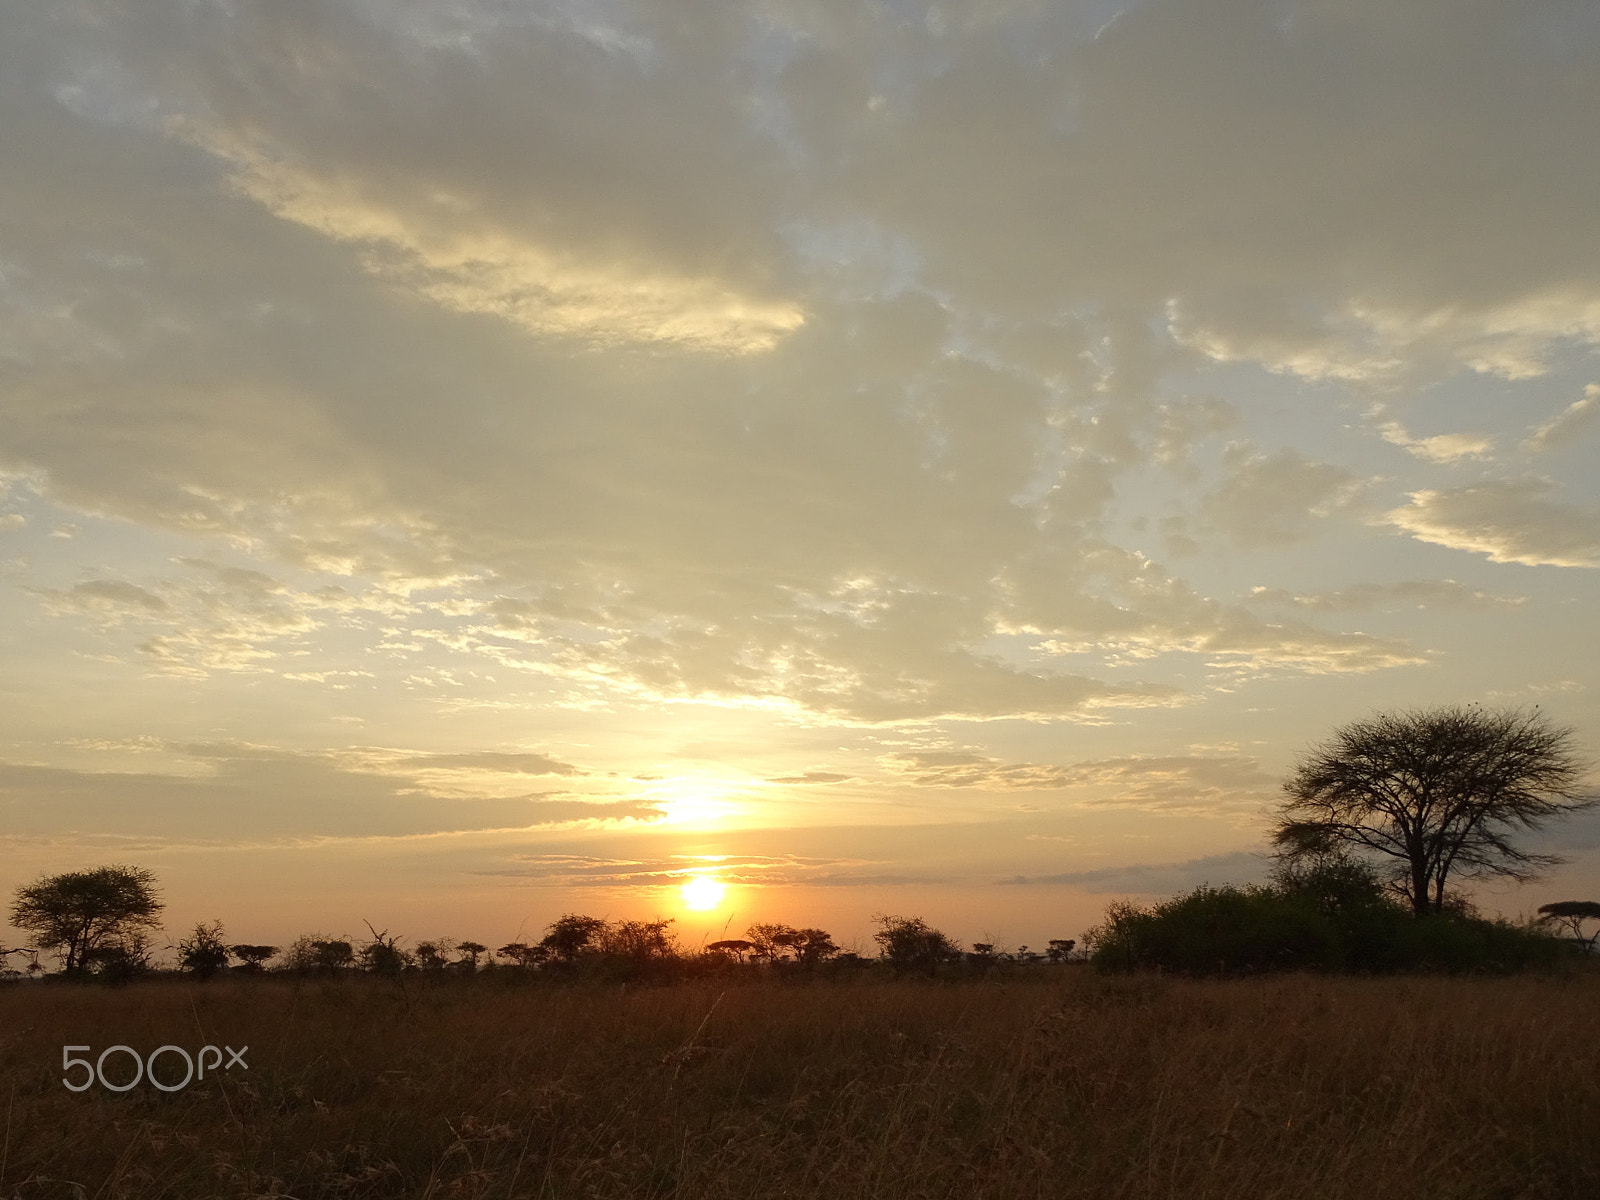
<point>1433,795</point>
<point>89,915</point>
<point>1570,915</point>
<point>813,946</point>
<point>734,948</point>
<point>1061,949</point>
<point>771,941</point>
<point>252,956</point>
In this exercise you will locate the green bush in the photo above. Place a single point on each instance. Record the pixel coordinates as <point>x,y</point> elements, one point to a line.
<point>1333,916</point>
<point>1217,931</point>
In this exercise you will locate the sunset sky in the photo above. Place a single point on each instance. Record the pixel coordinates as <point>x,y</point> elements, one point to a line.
<point>462,463</point>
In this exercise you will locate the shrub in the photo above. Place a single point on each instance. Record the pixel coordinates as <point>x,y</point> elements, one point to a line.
<point>1327,916</point>
<point>1217,931</point>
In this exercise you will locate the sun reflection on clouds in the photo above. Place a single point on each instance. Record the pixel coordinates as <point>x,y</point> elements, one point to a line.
<point>692,801</point>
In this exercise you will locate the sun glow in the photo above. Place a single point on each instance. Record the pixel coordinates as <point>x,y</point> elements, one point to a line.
<point>702,893</point>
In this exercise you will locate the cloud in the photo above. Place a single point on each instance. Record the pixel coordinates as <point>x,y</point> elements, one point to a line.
<point>109,600</point>
<point>1443,447</point>
<point>1578,418</point>
<point>1135,610</point>
<point>1163,879</point>
<point>780,357</point>
<point>813,777</point>
<point>864,653</point>
<point>210,792</point>
<point>956,768</point>
<point>1573,834</point>
<point>1208,784</point>
<point>262,796</point>
<point>488,760</point>
<point>1311,209</point>
<point>1205,784</point>
<point>224,618</point>
<point>1509,521</point>
<point>1272,499</point>
<point>447,252</point>
<point>662,871</point>
<point>1411,593</point>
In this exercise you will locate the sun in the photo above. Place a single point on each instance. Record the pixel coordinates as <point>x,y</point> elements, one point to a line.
<point>702,893</point>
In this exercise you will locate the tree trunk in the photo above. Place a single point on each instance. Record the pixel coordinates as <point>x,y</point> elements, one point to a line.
<point>1420,902</point>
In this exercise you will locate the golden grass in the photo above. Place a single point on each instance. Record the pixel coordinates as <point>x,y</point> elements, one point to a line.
<point>1066,1084</point>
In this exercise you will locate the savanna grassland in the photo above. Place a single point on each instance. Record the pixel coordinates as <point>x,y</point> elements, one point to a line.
<point>1058,1082</point>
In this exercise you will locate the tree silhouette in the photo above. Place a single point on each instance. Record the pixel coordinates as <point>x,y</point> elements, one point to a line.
<point>735,948</point>
<point>524,955</point>
<point>253,957</point>
<point>642,941</point>
<point>333,954</point>
<point>382,955</point>
<point>434,954</point>
<point>772,942</point>
<point>469,952</point>
<point>1438,793</point>
<point>572,935</point>
<point>813,946</point>
<point>101,916</point>
<point>1570,915</point>
<point>910,943</point>
<point>204,952</point>
<point>122,958</point>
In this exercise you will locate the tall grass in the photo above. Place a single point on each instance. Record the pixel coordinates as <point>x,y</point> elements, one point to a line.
<point>1064,1084</point>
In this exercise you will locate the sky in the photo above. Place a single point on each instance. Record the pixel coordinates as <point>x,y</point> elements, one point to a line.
<point>462,463</point>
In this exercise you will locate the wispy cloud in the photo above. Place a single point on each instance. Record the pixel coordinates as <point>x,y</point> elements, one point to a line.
<point>1570,425</point>
<point>569,870</point>
<point>1210,784</point>
<point>1441,447</point>
<point>1510,522</point>
<point>1162,879</point>
<point>1411,593</point>
<point>267,794</point>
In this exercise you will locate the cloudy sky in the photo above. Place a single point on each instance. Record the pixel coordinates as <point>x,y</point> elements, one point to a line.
<point>466,462</point>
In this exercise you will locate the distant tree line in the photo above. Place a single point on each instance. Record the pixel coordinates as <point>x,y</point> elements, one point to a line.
<point>100,925</point>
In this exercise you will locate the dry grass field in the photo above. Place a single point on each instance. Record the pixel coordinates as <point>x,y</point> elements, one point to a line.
<point>1065,1084</point>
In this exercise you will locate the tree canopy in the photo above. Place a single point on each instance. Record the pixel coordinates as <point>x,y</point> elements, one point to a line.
<point>86,915</point>
<point>205,951</point>
<point>1433,795</point>
<point>910,942</point>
